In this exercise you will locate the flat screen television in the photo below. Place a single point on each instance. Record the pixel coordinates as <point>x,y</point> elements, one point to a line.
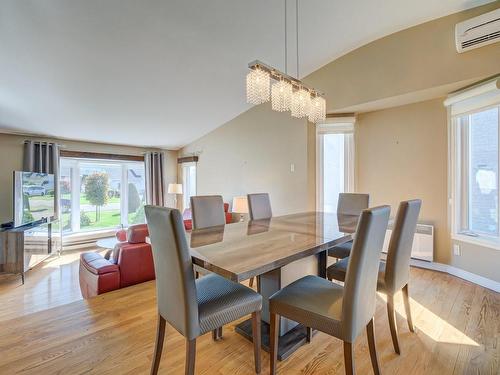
<point>34,198</point>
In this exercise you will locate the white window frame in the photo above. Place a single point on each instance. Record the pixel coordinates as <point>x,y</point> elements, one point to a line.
<point>76,191</point>
<point>478,98</point>
<point>186,181</point>
<point>335,125</point>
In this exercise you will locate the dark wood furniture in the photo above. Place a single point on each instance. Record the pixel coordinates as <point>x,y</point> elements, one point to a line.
<point>277,251</point>
<point>24,247</point>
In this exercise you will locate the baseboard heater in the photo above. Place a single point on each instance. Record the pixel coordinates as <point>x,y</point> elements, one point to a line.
<point>423,242</point>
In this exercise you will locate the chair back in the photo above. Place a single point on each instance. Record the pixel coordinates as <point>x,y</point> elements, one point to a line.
<point>175,284</point>
<point>259,206</point>
<point>360,286</point>
<point>207,211</point>
<point>352,203</point>
<point>397,270</point>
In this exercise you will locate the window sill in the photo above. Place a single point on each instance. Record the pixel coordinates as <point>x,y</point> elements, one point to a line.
<point>478,241</point>
<point>87,237</point>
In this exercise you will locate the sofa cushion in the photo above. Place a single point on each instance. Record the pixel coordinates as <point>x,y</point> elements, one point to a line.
<point>137,233</point>
<point>121,235</point>
<point>96,264</point>
<point>188,224</point>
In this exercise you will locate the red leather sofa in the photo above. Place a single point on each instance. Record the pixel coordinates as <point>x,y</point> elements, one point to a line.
<point>129,263</point>
<point>188,222</point>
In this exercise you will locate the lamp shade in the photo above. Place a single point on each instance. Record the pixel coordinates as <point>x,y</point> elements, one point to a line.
<point>240,205</point>
<point>175,188</point>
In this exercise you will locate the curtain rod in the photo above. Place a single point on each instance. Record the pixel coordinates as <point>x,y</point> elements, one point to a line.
<point>58,144</point>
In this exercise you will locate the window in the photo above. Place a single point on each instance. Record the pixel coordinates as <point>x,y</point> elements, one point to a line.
<point>335,161</point>
<point>101,194</point>
<point>475,157</point>
<point>188,183</point>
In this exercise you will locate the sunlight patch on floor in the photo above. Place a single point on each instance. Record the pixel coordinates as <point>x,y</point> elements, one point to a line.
<point>428,322</point>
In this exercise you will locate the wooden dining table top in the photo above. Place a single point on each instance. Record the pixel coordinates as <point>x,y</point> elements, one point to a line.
<point>243,250</point>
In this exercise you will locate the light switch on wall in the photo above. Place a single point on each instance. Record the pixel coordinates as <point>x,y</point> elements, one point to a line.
<point>456,249</point>
<point>292,167</point>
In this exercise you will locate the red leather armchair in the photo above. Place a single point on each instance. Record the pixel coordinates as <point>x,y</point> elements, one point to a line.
<point>188,222</point>
<point>131,262</point>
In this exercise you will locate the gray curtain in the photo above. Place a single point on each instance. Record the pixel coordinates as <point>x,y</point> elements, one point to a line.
<point>43,157</point>
<point>155,178</point>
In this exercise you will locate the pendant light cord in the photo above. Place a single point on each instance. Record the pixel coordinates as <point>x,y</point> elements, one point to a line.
<point>286,44</point>
<point>297,33</point>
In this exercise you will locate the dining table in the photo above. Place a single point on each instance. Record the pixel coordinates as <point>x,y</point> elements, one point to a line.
<point>276,251</point>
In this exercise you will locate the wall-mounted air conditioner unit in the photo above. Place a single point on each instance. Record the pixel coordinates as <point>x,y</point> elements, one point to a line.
<point>478,31</point>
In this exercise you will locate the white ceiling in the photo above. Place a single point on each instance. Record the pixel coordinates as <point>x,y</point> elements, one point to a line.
<point>164,73</point>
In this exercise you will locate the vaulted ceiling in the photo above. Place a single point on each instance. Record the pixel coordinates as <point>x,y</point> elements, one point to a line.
<point>164,73</point>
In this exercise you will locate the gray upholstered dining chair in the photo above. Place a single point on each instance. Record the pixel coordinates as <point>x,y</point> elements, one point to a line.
<point>349,204</point>
<point>259,206</point>
<point>207,211</point>
<point>394,274</point>
<point>339,311</point>
<point>193,307</point>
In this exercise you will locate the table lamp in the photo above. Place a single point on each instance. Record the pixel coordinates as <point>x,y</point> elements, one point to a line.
<point>175,189</point>
<point>240,206</point>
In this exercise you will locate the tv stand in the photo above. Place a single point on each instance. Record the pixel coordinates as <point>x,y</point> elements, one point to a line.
<point>24,247</point>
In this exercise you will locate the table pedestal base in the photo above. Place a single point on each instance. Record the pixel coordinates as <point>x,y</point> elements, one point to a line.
<point>287,344</point>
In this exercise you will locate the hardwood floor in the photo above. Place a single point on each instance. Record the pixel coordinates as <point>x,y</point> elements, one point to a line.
<point>52,283</point>
<point>457,332</point>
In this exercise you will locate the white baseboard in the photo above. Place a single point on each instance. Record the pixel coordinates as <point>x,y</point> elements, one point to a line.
<point>458,272</point>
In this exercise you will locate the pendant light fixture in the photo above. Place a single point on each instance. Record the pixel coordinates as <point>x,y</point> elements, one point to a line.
<point>258,86</point>
<point>281,96</point>
<point>301,103</point>
<point>281,91</point>
<point>317,112</point>
<point>287,93</point>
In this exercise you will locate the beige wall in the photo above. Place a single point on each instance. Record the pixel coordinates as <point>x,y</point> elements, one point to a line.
<point>11,156</point>
<point>401,153</point>
<point>478,260</point>
<point>412,60</point>
<point>253,153</point>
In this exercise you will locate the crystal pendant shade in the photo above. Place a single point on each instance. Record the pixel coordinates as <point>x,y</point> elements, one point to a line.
<point>285,92</point>
<point>301,103</point>
<point>281,96</point>
<point>317,112</point>
<point>258,82</point>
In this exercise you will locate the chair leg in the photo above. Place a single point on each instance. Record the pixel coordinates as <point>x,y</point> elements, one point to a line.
<point>309,333</point>
<point>160,336</point>
<point>256,340</point>
<point>348,358</point>
<point>406,299</point>
<point>370,332</point>
<point>217,334</point>
<point>275,319</point>
<point>391,314</point>
<point>250,284</point>
<point>190,356</point>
